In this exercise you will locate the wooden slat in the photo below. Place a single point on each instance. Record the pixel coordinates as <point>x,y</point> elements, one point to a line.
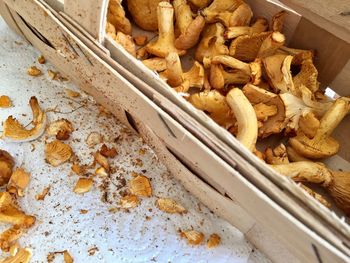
<point>332,15</point>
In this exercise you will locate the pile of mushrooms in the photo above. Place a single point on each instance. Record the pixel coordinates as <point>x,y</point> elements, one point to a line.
<point>246,79</point>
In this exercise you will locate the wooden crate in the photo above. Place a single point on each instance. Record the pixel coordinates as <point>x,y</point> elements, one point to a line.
<point>206,164</point>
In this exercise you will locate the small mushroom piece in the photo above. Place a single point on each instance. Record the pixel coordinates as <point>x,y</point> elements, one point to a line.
<point>59,128</point>
<point>277,21</point>
<point>322,145</point>
<point>271,44</point>
<point>175,76</point>
<point>316,195</point>
<point>101,160</point>
<point>274,124</point>
<point>246,118</point>
<point>307,76</point>
<point>126,42</point>
<point>57,153</point>
<point>16,132</point>
<point>170,206</point>
<point>278,71</point>
<point>116,16</point>
<point>144,13</point>
<point>277,155</point>
<point>215,105</point>
<point>166,39</point>
<point>193,237</point>
<point>155,64</point>
<point>10,236</point>
<point>6,166</point>
<point>5,102</point>
<point>219,8</point>
<point>83,185</point>
<point>213,241</point>
<point>140,186</point>
<point>129,201</point>
<point>260,25</point>
<point>18,182</point>
<point>189,28</point>
<point>246,48</point>
<point>23,255</point>
<point>212,42</point>
<point>9,213</point>
<point>303,171</point>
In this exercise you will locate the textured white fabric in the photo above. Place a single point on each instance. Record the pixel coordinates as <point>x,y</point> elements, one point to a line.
<point>118,236</point>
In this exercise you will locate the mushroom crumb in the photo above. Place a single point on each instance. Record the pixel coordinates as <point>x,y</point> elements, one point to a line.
<point>140,186</point>
<point>41,59</point>
<point>213,241</point>
<point>5,102</point>
<point>57,153</point>
<point>193,237</point>
<point>83,185</point>
<point>34,71</point>
<point>169,206</point>
<point>42,195</point>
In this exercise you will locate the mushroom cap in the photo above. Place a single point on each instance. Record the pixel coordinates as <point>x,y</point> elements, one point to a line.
<point>246,48</point>
<point>214,103</point>
<point>116,16</point>
<point>313,149</point>
<point>339,189</point>
<point>212,42</point>
<point>144,13</point>
<point>274,124</point>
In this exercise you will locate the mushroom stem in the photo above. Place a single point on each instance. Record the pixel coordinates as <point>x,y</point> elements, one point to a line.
<point>303,171</point>
<point>189,28</point>
<point>246,118</point>
<point>259,26</point>
<point>165,42</point>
